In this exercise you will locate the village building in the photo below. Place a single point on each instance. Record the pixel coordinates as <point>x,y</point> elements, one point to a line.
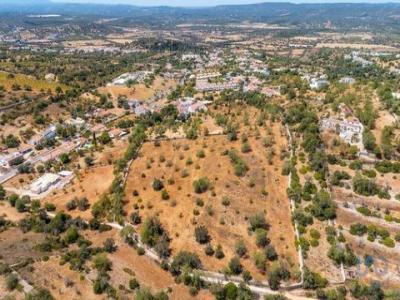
<point>318,83</point>
<point>43,183</point>
<point>347,80</point>
<point>189,106</point>
<point>349,130</point>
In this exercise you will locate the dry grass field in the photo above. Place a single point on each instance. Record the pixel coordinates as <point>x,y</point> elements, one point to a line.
<point>262,190</point>
<point>23,80</point>
<point>16,246</point>
<point>139,91</point>
<point>90,183</point>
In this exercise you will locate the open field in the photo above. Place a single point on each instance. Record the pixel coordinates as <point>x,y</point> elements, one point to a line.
<point>23,80</point>
<point>227,222</point>
<point>62,282</point>
<point>375,47</point>
<point>127,264</point>
<point>139,91</point>
<point>90,183</point>
<point>16,246</point>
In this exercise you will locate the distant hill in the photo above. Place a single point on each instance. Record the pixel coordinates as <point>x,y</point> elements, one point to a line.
<point>385,16</point>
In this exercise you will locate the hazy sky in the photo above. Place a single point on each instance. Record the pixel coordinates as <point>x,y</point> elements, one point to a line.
<point>212,2</point>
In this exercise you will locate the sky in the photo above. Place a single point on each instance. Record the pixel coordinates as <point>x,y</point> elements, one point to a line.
<point>189,3</point>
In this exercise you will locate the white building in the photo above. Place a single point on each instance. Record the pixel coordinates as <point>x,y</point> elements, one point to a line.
<point>43,183</point>
<point>347,80</point>
<point>396,95</point>
<point>126,77</point>
<point>349,130</point>
<point>318,83</point>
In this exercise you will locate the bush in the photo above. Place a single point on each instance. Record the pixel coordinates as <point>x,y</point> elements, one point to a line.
<point>388,242</point>
<point>240,248</point>
<point>71,205</point>
<point>201,185</point>
<point>133,284</point>
<point>315,234</point>
<point>184,259</point>
<point>201,235</point>
<point>49,206</point>
<point>208,250</point>
<point>219,253</point>
<point>109,245</point>
<point>158,185</point>
<point>270,253</point>
<point>71,235</point>
<point>313,280</point>
<point>2,192</point>
<point>83,204</point>
<point>164,195</point>
<point>261,237</point>
<point>258,221</point>
<point>235,266</point>
<point>135,218</point>
<point>11,281</point>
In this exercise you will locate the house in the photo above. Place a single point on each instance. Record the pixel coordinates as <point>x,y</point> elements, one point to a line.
<point>130,77</point>
<point>77,122</point>
<point>43,183</point>
<point>318,83</point>
<point>50,77</point>
<point>133,103</point>
<point>142,110</point>
<point>48,134</point>
<point>189,106</point>
<point>11,159</point>
<point>349,130</point>
<point>270,91</point>
<point>396,95</point>
<point>347,80</point>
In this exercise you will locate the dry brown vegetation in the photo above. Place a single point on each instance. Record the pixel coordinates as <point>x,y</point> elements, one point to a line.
<point>263,189</point>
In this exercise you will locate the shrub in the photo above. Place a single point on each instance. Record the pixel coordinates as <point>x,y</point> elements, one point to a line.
<point>315,234</point>
<point>71,235</point>
<point>258,221</point>
<point>109,245</point>
<point>200,153</point>
<point>158,185</point>
<point>135,218</point>
<point>261,237</point>
<point>240,248</point>
<point>184,259</point>
<point>83,204</point>
<point>201,234</point>
<point>71,205</point>
<point>313,280</point>
<point>219,253</point>
<point>270,253</point>
<point>201,185</point>
<point>133,284</point>
<point>235,266</point>
<point>388,242</point>
<point>208,250</point>
<point>11,281</point>
<point>164,195</point>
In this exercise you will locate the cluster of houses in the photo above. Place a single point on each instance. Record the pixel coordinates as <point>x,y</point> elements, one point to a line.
<point>316,81</point>
<point>125,78</point>
<point>355,57</point>
<point>189,106</point>
<point>185,106</point>
<point>205,86</point>
<point>350,130</point>
<point>205,83</point>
